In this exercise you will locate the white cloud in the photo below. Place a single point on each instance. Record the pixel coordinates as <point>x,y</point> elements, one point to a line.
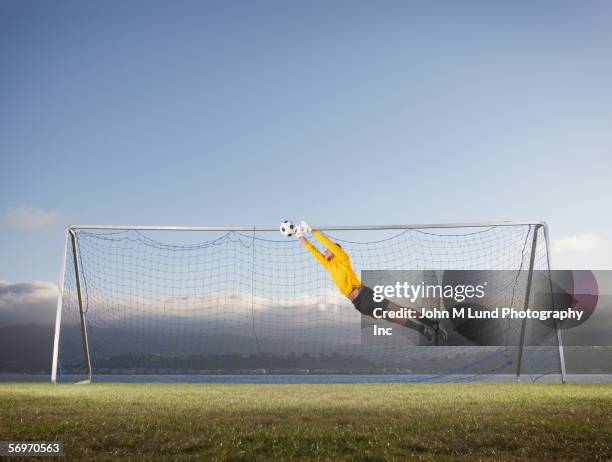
<point>579,242</point>
<point>35,302</point>
<point>12,293</point>
<point>581,251</point>
<point>29,302</point>
<point>28,217</point>
<point>326,303</point>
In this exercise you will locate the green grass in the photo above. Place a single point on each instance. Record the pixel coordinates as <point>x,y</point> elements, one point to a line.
<point>314,422</point>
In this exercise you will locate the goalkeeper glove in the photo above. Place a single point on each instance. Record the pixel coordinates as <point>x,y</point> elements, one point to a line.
<point>304,228</point>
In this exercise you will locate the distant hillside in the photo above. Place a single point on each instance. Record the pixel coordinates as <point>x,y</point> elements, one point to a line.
<point>26,348</point>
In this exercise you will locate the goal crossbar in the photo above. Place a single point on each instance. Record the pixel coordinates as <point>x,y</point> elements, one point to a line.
<point>482,224</point>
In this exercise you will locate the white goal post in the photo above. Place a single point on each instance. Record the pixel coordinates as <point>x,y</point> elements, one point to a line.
<point>101,253</point>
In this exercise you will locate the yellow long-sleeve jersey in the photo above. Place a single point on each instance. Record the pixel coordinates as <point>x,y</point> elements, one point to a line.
<point>339,267</point>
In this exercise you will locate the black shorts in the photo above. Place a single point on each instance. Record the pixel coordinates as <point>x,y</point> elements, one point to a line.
<point>365,303</point>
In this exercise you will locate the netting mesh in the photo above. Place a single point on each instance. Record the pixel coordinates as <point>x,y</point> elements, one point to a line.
<point>177,302</point>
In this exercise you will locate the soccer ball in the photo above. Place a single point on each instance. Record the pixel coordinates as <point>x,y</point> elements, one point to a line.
<point>287,228</point>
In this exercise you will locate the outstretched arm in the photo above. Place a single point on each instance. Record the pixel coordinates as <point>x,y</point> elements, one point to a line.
<point>328,243</point>
<point>314,251</point>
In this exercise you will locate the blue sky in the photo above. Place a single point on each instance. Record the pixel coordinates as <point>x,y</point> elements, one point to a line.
<point>242,113</point>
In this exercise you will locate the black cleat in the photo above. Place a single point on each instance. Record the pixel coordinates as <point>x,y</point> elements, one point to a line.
<point>435,334</point>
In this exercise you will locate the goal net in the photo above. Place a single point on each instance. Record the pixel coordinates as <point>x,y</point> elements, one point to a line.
<point>145,300</point>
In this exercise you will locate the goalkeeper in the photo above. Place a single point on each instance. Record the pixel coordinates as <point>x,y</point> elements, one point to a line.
<point>337,262</point>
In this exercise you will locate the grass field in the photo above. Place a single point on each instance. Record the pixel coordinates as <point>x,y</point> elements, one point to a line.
<point>314,422</point>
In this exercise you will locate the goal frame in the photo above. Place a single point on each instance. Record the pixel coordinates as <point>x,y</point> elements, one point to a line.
<point>71,238</point>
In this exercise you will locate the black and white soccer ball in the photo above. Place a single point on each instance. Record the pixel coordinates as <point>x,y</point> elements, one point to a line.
<point>287,228</point>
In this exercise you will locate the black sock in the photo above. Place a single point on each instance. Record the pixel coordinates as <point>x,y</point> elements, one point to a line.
<point>428,322</point>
